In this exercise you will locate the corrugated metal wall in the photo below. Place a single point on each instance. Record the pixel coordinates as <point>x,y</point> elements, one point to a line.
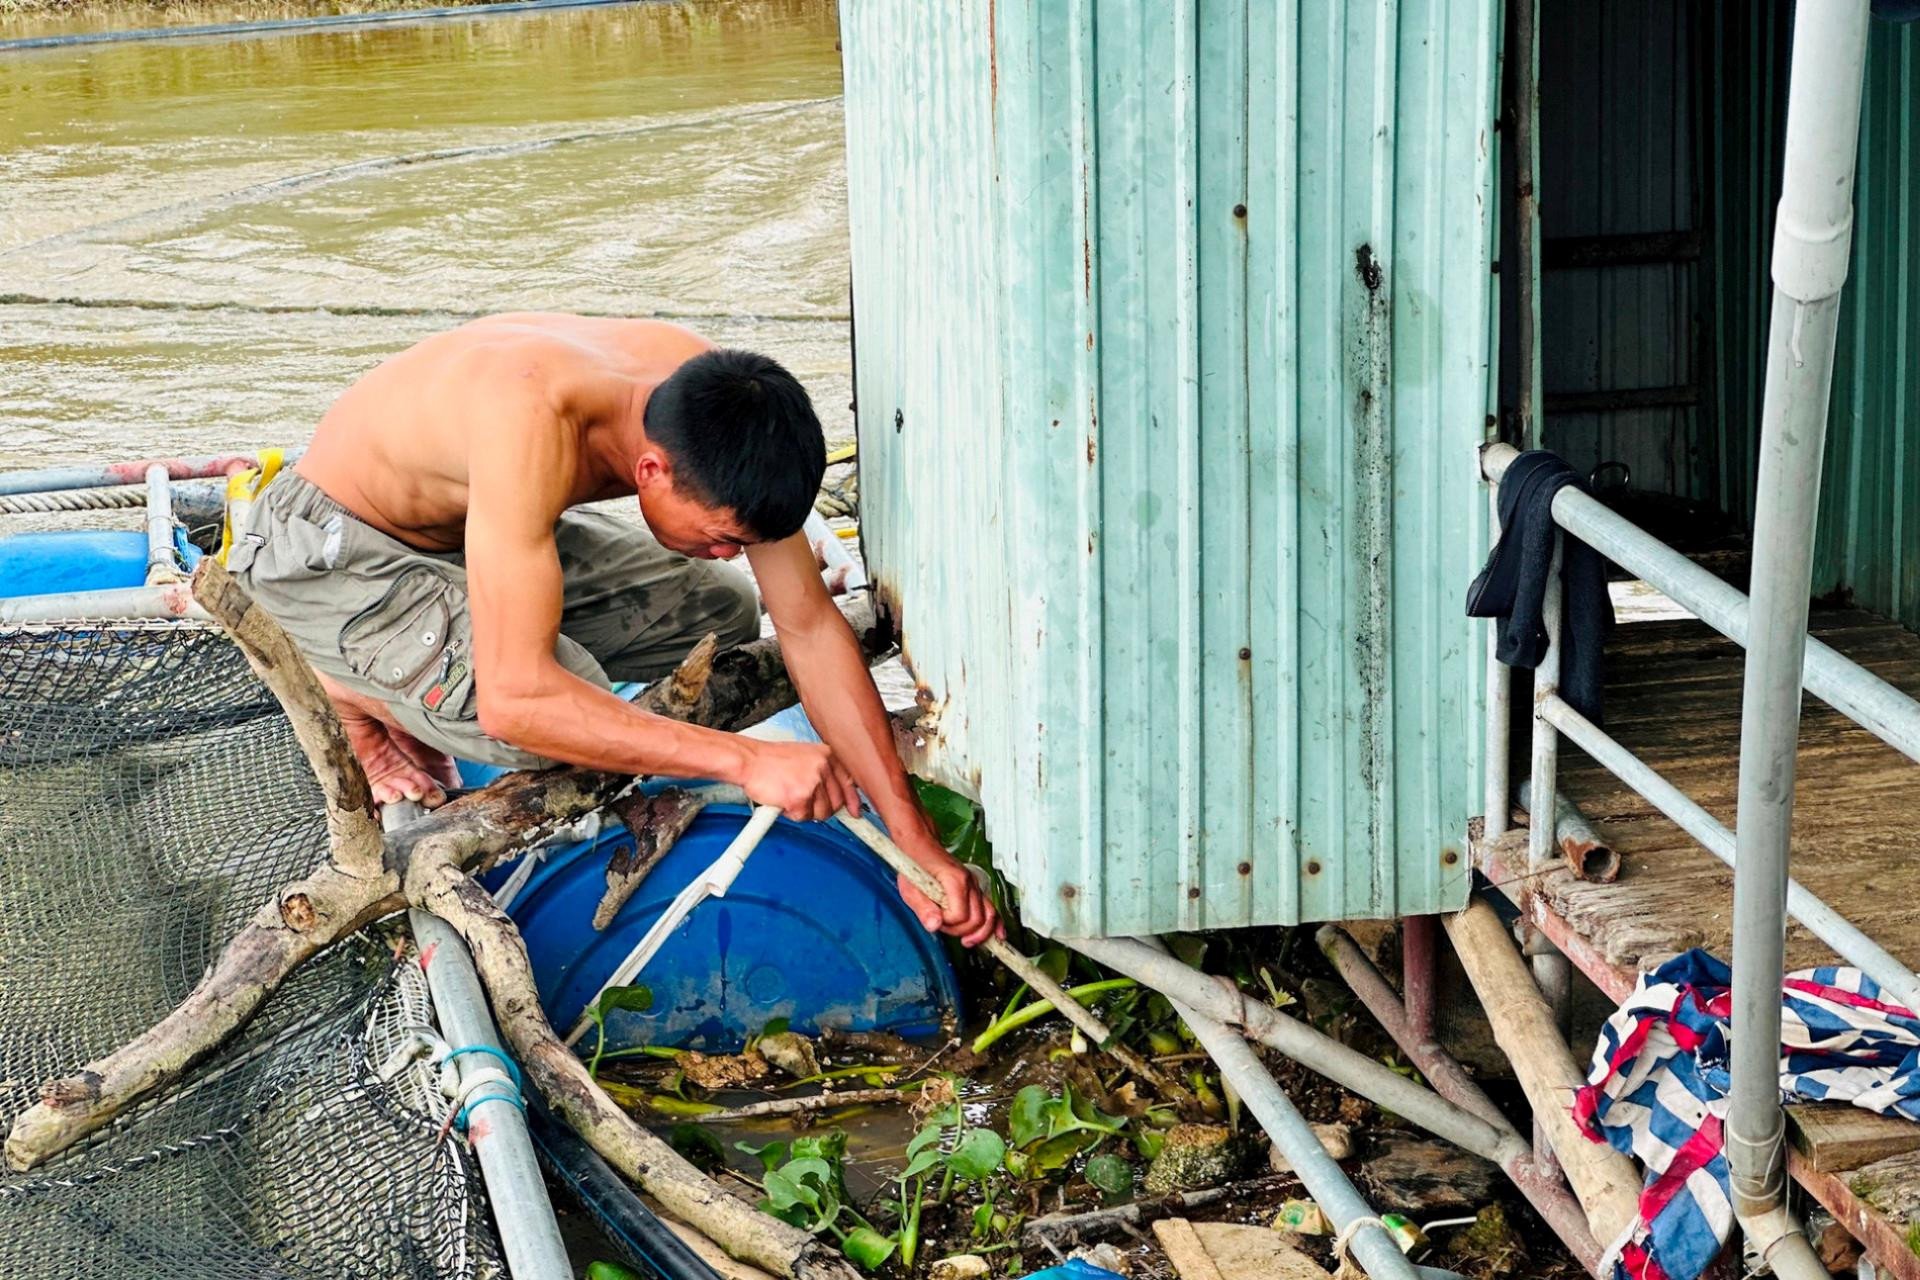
<point>1870,504</point>
<point>1171,356</point>
<point>1617,159</point>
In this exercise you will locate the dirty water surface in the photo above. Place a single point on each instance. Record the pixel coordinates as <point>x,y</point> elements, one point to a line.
<point>202,242</point>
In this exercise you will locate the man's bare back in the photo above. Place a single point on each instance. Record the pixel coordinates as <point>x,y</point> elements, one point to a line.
<point>394,448</point>
<point>426,557</point>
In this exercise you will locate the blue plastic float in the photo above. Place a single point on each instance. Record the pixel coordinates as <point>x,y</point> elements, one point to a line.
<point>36,564</point>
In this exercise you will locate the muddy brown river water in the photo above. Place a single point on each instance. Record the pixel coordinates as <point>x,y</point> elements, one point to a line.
<point>203,241</point>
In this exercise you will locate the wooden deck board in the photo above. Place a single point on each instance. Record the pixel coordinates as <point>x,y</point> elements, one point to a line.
<point>1673,699</point>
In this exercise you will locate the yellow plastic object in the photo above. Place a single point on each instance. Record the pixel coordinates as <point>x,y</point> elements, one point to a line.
<point>242,488</point>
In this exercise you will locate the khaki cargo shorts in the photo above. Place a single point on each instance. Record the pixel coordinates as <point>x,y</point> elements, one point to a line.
<point>390,621</point>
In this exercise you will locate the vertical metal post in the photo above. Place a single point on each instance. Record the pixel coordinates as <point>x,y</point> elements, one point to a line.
<point>1496,769</point>
<point>1419,958</point>
<point>1812,238</point>
<point>529,1235</point>
<point>161,565</point>
<point>1523,59</point>
<point>1551,970</point>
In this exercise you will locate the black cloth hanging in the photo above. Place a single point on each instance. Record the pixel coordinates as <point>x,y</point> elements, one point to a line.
<point>1512,588</point>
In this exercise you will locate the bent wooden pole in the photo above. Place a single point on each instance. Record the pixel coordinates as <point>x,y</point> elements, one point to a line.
<point>1603,1179</point>
<point>501,959</point>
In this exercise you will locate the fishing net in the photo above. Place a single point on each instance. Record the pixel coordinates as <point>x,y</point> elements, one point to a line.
<point>152,797</point>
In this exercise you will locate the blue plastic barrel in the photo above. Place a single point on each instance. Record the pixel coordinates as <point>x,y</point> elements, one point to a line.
<point>812,931</point>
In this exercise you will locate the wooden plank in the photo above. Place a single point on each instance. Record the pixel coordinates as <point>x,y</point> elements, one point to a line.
<point>1855,1199</point>
<point>1833,1136</point>
<point>1232,1251</point>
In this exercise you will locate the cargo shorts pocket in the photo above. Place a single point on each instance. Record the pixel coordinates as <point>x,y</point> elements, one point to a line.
<point>403,638</point>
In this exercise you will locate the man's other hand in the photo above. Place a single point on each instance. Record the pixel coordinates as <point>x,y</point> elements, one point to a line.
<point>801,779</point>
<point>969,914</point>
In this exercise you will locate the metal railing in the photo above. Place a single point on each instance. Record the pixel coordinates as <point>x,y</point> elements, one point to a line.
<point>1849,688</point>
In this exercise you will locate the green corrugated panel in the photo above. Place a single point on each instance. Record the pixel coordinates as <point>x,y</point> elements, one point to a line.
<point>1171,357</point>
<point>1870,500</point>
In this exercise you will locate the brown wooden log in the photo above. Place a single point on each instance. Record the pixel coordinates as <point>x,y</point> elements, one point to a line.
<point>353,824</point>
<point>1602,1179</point>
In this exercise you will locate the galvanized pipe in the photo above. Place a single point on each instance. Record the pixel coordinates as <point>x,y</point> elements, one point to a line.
<point>1821,920</point>
<point>1545,1190</point>
<point>1310,1048</point>
<point>104,475</point>
<point>1584,850</point>
<point>162,565</point>
<point>529,1234</point>
<point>1841,683</point>
<point>164,600</point>
<point>1811,242</point>
<point>1325,1181</point>
<point>1551,970</point>
<point>1497,804</point>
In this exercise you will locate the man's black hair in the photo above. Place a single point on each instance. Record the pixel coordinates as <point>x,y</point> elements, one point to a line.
<point>742,435</point>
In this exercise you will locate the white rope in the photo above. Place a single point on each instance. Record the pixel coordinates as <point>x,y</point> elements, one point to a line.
<point>21,504</point>
<point>1354,1227</point>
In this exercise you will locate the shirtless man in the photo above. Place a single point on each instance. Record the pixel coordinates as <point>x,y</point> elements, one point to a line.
<point>424,556</point>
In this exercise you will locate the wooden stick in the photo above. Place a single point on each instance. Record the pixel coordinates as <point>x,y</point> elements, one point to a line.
<point>353,825</point>
<point>1603,1179</point>
<point>1009,955</point>
<point>802,1106</point>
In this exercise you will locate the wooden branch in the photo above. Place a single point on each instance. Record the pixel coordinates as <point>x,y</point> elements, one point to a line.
<point>353,825</point>
<point>656,822</point>
<point>562,1079</point>
<point>803,1105</point>
<point>306,917</point>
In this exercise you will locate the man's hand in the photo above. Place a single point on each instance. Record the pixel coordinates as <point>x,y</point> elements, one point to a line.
<point>801,779</point>
<point>969,915</point>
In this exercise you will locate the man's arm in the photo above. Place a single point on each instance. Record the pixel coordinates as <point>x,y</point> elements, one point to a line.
<point>519,475</point>
<point>837,689</point>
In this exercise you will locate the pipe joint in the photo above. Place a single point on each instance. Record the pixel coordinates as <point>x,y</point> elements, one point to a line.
<point>1810,261</point>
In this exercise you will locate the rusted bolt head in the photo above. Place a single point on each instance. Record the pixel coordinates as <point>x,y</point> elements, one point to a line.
<point>1194,892</point>
<point>1245,868</point>
<point>1068,892</point>
<point>1313,866</point>
<point>1239,211</point>
<point>1450,856</point>
<point>1245,653</point>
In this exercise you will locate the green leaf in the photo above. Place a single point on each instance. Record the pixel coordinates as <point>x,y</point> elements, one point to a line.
<point>774,1027</point>
<point>634,999</point>
<point>1053,962</point>
<point>1112,1175</point>
<point>699,1145</point>
<point>821,1146</point>
<point>978,1155</point>
<point>770,1155</point>
<point>982,1220</point>
<point>927,1137</point>
<point>603,1270</point>
<point>919,1164</point>
<point>867,1248</point>
<point>1057,1153</point>
<point>1031,1115</point>
<point>784,1193</point>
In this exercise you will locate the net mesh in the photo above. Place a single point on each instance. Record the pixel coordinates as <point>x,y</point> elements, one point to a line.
<point>152,797</point>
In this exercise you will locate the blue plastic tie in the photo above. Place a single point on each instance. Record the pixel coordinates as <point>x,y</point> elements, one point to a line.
<point>490,1090</point>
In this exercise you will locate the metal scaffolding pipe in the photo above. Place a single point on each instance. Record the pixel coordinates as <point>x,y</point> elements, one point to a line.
<point>1584,850</point>
<point>1496,803</point>
<point>1551,970</point>
<point>1347,1067</point>
<point>496,1122</point>
<point>1811,242</point>
<point>1544,1189</point>
<point>1841,683</point>
<point>1821,920</point>
<point>1323,1178</point>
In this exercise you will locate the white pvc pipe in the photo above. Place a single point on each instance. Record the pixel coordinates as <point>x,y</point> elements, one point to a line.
<point>529,1234</point>
<point>162,566</point>
<point>163,600</point>
<point>1811,243</point>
